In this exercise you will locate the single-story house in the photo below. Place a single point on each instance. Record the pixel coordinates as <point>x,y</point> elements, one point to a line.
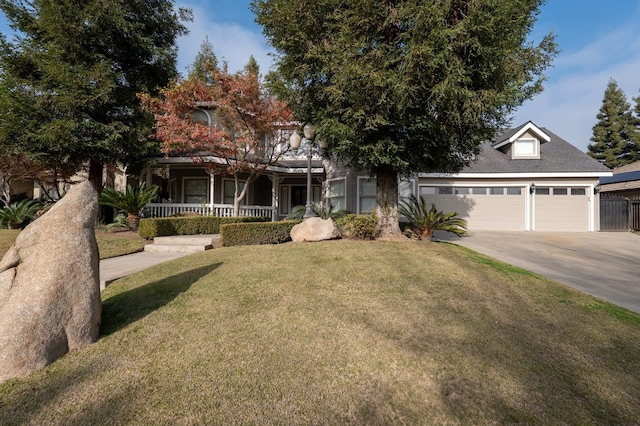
<point>525,179</point>
<point>625,182</point>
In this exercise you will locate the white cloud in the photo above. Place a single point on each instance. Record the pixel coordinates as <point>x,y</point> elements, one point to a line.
<point>231,42</point>
<point>573,94</point>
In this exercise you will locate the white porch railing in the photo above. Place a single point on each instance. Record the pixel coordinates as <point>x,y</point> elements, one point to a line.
<point>220,210</point>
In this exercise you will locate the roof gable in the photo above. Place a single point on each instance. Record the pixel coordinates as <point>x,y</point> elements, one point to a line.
<point>513,135</point>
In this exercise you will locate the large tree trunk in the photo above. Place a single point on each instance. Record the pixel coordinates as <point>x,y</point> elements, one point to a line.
<point>387,205</point>
<point>95,174</point>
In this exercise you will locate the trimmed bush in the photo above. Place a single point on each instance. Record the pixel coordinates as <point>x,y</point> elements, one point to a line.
<point>189,225</point>
<point>358,226</point>
<point>239,234</point>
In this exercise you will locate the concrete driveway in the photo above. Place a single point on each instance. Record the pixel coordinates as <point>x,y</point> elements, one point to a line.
<point>603,264</point>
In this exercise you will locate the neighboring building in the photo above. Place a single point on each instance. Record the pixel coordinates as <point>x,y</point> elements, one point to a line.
<point>625,182</point>
<point>526,179</point>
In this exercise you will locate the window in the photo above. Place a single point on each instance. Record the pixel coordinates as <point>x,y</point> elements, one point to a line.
<point>337,193</point>
<point>202,117</point>
<point>428,190</point>
<point>559,191</point>
<point>578,191</point>
<point>366,194</point>
<point>445,190</point>
<point>196,190</point>
<point>228,191</point>
<point>496,191</point>
<point>479,191</point>
<point>405,188</point>
<point>514,191</point>
<point>461,191</point>
<point>542,191</point>
<point>525,148</point>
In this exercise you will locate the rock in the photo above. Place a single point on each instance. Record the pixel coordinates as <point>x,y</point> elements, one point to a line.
<point>50,287</point>
<point>314,229</point>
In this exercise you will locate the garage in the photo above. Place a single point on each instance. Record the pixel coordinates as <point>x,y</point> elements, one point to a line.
<point>561,208</point>
<point>483,207</point>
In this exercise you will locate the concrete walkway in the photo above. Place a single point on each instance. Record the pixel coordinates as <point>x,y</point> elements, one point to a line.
<point>121,266</point>
<point>603,264</point>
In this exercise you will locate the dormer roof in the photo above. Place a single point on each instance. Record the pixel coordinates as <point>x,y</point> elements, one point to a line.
<point>513,135</point>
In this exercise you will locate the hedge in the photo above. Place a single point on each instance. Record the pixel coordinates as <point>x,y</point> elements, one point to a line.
<point>238,234</point>
<point>358,226</point>
<point>189,225</point>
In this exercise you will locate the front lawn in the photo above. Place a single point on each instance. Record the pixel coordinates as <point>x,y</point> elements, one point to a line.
<point>342,332</point>
<point>109,244</point>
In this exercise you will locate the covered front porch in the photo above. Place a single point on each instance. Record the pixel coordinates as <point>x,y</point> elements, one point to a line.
<point>185,187</point>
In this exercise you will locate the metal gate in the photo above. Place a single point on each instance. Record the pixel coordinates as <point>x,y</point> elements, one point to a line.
<point>614,213</point>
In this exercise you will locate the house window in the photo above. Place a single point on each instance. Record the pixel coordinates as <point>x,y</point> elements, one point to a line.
<point>228,192</point>
<point>405,188</point>
<point>337,194</point>
<point>525,148</point>
<point>578,191</point>
<point>196,190</point>
<point>202,117</point>
<point>559,191</point>
<point>514,191</point>
<point>479,191</point>
<point>496,190</point>
<point>366,194</point>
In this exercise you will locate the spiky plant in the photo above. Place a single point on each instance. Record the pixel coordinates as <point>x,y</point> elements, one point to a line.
<point>15,215</point>
<point>132,201</point>
<point>423,222</point>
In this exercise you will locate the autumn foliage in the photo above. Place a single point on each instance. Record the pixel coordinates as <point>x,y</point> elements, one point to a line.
<point>241,135</point>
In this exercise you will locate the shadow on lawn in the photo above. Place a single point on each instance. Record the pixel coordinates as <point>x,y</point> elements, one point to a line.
<point>127,307</point>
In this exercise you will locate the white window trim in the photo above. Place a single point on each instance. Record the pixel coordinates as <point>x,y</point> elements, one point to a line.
<point>358,203</point>
<point>346,191</point>
<point>184,184</point>
<point>536,148</point>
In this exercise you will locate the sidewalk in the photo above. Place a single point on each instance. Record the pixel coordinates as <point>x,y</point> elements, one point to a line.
<point>121,266</point>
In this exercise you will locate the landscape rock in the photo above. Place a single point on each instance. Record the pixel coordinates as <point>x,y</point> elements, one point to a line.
<point>50,287</point>
<point>314,229</point>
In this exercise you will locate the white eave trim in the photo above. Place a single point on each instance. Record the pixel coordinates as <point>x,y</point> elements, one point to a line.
<point>522,131</point>
<point>516,175</point>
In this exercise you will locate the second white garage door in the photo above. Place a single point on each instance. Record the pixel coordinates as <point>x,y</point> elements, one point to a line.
<point>561,209</point>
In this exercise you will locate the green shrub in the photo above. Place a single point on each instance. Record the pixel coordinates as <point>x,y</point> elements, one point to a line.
<point>239,234</point>
<point>297,212</point>
<point>423,222</point>
<point>17,215</point>
<point>189,225</point>
<point>358,226</point>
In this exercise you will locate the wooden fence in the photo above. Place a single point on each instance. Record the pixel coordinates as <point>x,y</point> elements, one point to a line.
<point>619,213</point>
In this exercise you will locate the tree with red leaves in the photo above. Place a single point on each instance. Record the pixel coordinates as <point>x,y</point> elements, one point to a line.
<point>239,139</point>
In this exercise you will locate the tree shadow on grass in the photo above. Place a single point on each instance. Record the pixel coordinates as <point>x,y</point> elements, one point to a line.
<point>127,307</point>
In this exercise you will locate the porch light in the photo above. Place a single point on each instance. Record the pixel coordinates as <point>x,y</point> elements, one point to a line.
<point>532,188</point>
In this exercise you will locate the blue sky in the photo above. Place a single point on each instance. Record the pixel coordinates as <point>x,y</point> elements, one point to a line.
<point>599,40</point>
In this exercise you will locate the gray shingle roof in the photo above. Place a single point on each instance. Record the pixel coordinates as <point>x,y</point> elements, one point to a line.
<point>556,156</point>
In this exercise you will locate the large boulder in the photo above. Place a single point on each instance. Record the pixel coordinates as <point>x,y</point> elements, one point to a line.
<point>314,229</point>
<point>50,287</point>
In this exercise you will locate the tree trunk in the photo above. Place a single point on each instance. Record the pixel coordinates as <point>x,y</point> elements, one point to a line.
<point>387,205</point>
<point>95,174</point>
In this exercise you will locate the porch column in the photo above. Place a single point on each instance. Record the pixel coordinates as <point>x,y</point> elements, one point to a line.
<point>211,190</point>
<point>274,196</point>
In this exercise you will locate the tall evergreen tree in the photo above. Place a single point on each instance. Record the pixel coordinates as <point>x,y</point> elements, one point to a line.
<point>404,86</point>
<point>70,76</point>
<point>205,64</point>
<point>613,134</point>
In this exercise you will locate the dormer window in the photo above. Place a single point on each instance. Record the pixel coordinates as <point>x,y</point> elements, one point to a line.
<point>525,148</point>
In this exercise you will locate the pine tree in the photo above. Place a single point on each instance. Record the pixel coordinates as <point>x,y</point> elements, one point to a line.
<point>205,63</point>
<point>398,86</point>
<point>613,134</point>
<point>70,76</point>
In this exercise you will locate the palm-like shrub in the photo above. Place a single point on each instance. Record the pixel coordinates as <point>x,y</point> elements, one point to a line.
<point>423,221</point>
<point>15,215</point>
<point>132,201</point>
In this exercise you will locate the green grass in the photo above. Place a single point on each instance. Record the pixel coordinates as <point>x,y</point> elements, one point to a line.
<point>341,332</point>
<point>109,245</point>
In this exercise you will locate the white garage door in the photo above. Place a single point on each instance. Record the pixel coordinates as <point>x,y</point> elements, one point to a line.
<point>484,208</point>
<point>561,209</point>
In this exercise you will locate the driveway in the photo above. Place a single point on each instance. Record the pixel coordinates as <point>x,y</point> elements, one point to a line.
<point>603,264</point>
